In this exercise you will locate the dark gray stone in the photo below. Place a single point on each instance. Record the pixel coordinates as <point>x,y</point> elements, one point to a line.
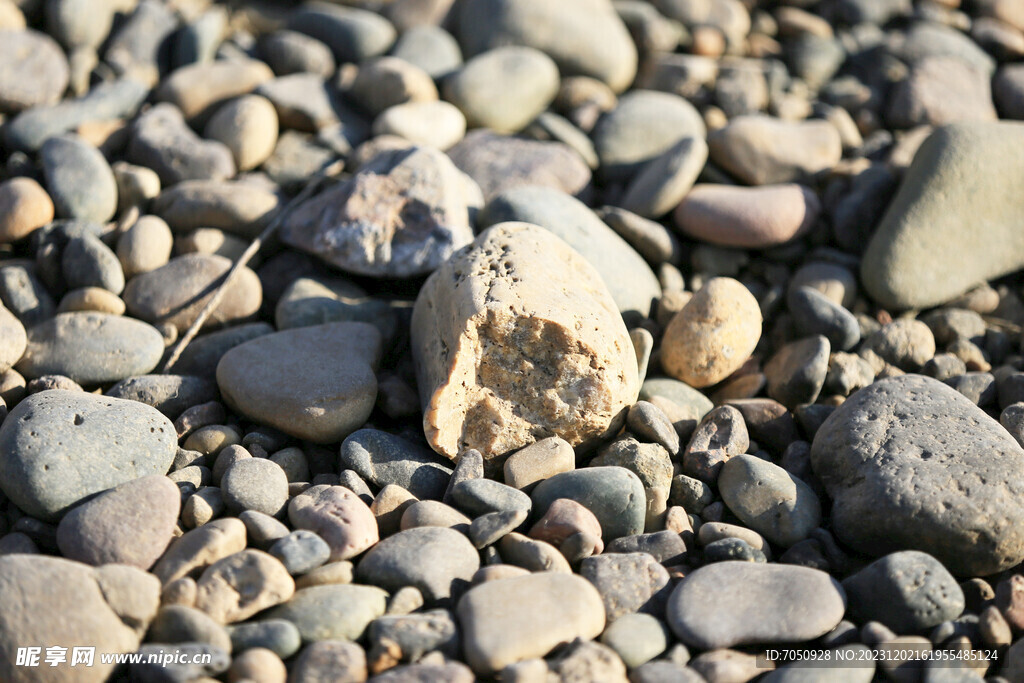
<point>161,140</point>
<point>796,373</point>
<point>438,561</point>
<point>730,550</point>
<point>354,35</point>
<point>415,635</point>
<point>33,70</point>
<point>667,547</point>
<point>78,179</point>
<point>383,459</point>
<point>290,52</point>
<point>479,496</point>
<point>908,591</point>
<point>58,447</point>
<point>280,636</point>
<point>301,551</point>
<point>912,464</point>
<point>91,348</point>
<point>88,262</point>
<point>614,494</point>
<point>170,394</point>
<point>630,582</point>
<point>814,313</point>
<point>769,499</point>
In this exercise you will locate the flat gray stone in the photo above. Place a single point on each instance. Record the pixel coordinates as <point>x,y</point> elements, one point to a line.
<point>438,561</point>
<point>58,447</point>
<point>383,459</point>
<point>91,348</point>
<point>912,464</point>
<point>332,612</point>
<point>745,603</point>
<point>614,494</point>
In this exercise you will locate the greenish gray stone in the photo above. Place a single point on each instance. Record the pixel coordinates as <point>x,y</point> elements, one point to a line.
<point>280,636</point>
<point>59,447</point>
<point>680,393</point>
<point>91,348</point>
<point>438,561</point>
<point>308,302</point>
<point>332,612</point>
<point>614,494</point>
<point>955,221</point>
<point>769,499</point>
<point>383,459</point>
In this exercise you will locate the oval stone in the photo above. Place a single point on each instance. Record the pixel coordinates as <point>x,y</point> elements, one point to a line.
<point>747,603</point>
<point>614,494</point>
<point>58,447</point>
<point>91,348</point>
<point>912,464</point>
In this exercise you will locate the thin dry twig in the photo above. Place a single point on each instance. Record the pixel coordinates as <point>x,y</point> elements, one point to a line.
<point>312,186</point>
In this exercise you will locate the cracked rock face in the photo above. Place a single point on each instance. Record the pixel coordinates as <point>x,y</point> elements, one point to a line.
<point>516,339</point>
<point>910,463</point>
<point>401,215</point>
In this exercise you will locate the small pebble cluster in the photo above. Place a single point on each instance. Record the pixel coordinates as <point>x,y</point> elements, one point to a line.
<point>617,341</point>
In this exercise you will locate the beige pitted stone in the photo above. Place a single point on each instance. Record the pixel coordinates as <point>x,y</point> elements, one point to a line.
<point>509,620</point>
<point>240,585</point>
<point>315,383</point>
<point>713,335</point>
<point>53,602</point>
<point>201,547</point>
<point>516,338</point>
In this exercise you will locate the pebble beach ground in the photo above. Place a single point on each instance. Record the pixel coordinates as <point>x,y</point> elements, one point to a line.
<point>581,341</point>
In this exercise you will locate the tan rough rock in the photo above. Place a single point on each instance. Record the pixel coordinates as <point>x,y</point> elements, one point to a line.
<point>240,585</point>
<point>713,335</point>
<point>516,338</point>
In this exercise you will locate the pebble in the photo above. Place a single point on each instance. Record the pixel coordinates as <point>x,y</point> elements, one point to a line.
<point>651,240</point>
<point>566,518</point>
<point>509,620</point>
<point>78,179</point>
<point>13,340</point>
<point>160,139</point>
<point>338,516</point>
<point>255,484</point>
<point>170,394</point>
<point>354,35</point>
<point>94,299</point>
<point>477,497</point>
<point>197,89</point>
<point>433,513</point>
<point>290,52</point>
<point>815,314</point>
<point>388,81</point>
<point>500,162</point>
<point>258,665</point>
<point>438,124</point>
<point>581,319</point>
<point>905,343</point>
<point>847,373</point>
<point>761,150</point>
<point>406,211</point>
<point>649,423</point>
<point>105,102</point>
<point>503,88</point>
<point>636,638</point>
<point>940,90</point>
<point>325,660</point>
<point>644,125</point>
<point>918,424</point>
<point>197,549</point>
<point>667,547</point>
<point>796,373</point>
<point>57,450</point>
<point>248,127</point>
<point>241,585</point>
<point>382,458</point>
<point>650,462</point>
<point>174,294</point>
<point>280,636</point>
<point>584,38</point>
<point>290,380</point>
<point>957,253</point>
<point>532,555</point>
<point>65,604</point>
<point>241,208</point>
<point>130,524</point>
<point>24,207</point>
<point>35,70</point>
<point>301,551</point>
<point>408,638</point>
<point>438,561</point>
<point>389,506</point>
<point>613,494</point>
<point>740,603</point>
<point>542,459</point>
<point>769,499</point>
<point>747,217</point>
<point>666,180</point>
<point>713,335</point>
<point>181,624</point>
<point>907,591</point>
